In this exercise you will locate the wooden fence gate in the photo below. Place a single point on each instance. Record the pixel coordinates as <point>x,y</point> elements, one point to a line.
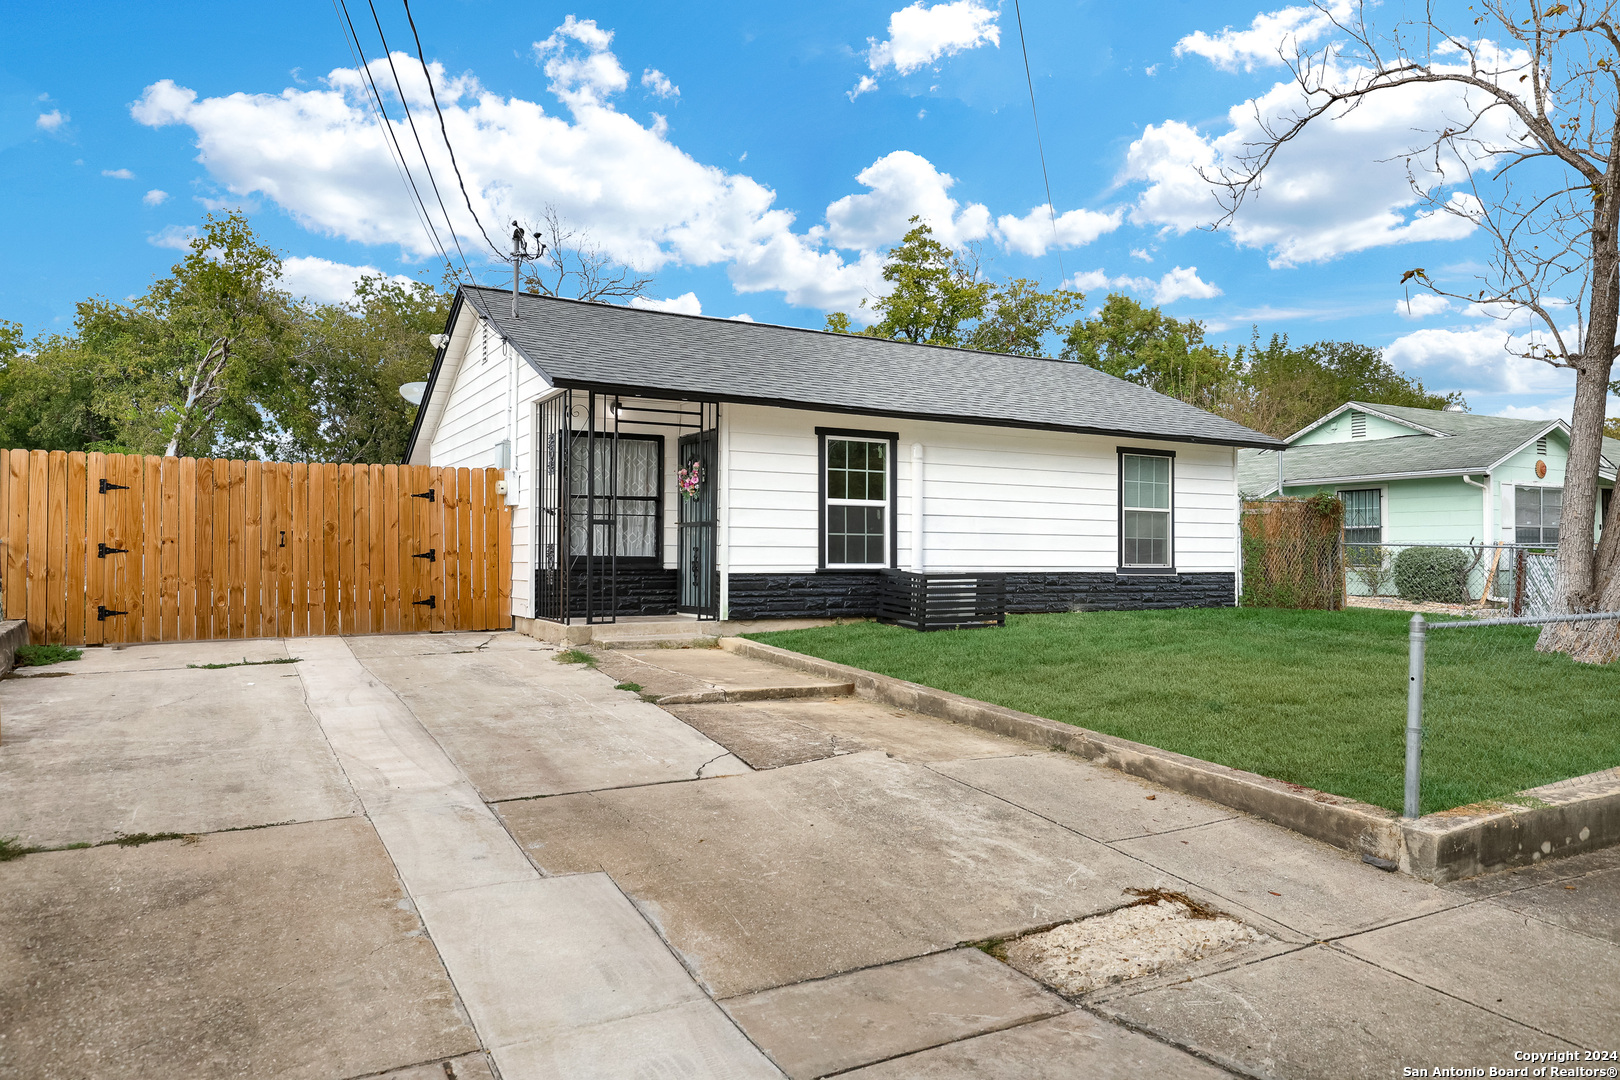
<point>104,548</point>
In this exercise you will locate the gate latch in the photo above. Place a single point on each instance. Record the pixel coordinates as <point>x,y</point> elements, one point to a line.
<point>428,495</point>
<point>431,555</point>
<point>108,485</point>
<point>432,602</point>
<point>104,613</point>
<point>102,551</point>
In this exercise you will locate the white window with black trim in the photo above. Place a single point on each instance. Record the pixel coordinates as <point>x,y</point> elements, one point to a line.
<point>857,499</point>
<point>629,508</point>
<point>1537,512</point>
<point>1146,510</point>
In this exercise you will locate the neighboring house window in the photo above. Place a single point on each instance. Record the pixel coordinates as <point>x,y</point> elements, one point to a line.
<point>857,513</point>
<point>1363,524</point>
<point>1358,425</point>
<point>1536,512</point>
<point>636,517</point>
<point>1145,525</point>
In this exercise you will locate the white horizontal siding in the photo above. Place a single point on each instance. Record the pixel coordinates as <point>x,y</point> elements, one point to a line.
<point>995,498</point>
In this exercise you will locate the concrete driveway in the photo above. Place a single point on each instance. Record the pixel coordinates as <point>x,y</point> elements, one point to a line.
<point>451,856</point>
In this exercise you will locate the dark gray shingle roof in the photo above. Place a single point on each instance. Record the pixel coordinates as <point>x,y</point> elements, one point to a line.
<point>663,354</point>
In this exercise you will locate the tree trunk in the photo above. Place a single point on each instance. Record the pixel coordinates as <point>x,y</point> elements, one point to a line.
<point>1586,579</point>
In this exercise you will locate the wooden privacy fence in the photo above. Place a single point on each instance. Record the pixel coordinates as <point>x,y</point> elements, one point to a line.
<point>104,548</point>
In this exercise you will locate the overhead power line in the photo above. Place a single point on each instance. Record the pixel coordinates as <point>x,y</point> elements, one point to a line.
<point>1051,211</point>
<point>420,149</point>
<point>390,142</point>
<point>428,75</point>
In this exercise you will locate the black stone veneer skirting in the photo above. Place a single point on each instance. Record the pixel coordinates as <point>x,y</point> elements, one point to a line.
<point>640,590</point>
<point>855,595</point>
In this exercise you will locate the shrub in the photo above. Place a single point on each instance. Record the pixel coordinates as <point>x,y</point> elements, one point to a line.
<point>1433,575</point>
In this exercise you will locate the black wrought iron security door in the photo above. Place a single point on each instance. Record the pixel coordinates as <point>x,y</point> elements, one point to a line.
<point>697,566</point>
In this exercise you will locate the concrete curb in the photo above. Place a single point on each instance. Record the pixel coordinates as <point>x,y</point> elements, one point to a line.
<point>1566,818</point>
<point>758,693</point>
<point>13,635</point>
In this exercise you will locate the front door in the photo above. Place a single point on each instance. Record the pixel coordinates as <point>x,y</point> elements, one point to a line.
<point>696,565</point>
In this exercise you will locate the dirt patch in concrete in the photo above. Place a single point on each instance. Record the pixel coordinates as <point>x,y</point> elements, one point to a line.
<point>1158,931</point>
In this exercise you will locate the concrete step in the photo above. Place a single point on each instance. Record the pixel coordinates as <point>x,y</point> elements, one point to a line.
<point>662,641</point>
<point>758,693</point>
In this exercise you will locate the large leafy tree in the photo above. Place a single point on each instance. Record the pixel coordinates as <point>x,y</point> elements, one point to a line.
<point>1143,345</point>
<point>342,402</point>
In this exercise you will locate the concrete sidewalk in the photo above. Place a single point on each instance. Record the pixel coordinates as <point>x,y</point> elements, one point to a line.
<point>450,856</point>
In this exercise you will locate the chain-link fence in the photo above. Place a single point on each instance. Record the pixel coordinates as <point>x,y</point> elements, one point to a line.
<point>1451,578</point>
<point>1292,554</point>
<point>1497,706</point>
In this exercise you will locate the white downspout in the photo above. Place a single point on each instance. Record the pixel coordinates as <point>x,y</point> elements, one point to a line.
<point>1485,500</point>
<point>918,561</point>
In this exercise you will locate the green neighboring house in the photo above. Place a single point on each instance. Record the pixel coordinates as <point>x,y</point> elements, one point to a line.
<point>1427,476</point>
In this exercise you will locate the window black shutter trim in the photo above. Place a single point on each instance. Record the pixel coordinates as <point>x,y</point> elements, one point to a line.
<point>1119,504</point>
<point>821,492</point>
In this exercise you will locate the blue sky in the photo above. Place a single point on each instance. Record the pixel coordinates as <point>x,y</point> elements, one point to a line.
<point>757,158</point>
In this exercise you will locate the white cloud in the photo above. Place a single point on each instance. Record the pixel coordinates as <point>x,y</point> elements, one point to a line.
<point>902,184</point>
<point>1142,253</point>
<point>741,317</point>
<point>658,83</point>
<point>1561,409</point>
<point>685,304</point>
<point>52,120</point>
<point>867,83</point>
<point>1271,36</point>
<point>118,174</point>
<point>316,153</point>
<point>1421,306</point>
<point>920,35</point>
<point>1032,234</point>
<point>1340,186</point>
<point>178,237</point>
<point>1478,359</point>
<point>1181,283</point>
<point>324,281</point>
<point>154,197</point>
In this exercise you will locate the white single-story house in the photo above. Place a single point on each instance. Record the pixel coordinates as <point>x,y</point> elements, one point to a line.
<point>660,463</point>
<point>1430,476</point>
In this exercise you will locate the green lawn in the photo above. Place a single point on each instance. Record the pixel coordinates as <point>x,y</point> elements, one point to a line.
<point>1310,697</point>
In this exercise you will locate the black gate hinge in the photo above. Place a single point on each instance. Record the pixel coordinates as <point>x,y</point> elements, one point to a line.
<point>108,485</point>
<point>431,555</point>
<point>428,495</point>
<point>104,613</point>
<point>432,602</point>
<point>102,551</point>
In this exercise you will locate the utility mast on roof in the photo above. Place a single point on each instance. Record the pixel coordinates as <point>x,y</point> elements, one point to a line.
<point>520,251</point>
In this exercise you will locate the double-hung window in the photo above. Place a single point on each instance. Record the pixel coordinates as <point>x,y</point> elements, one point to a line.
<point>1536,514</point>
<point>627,508</point>
<point>1146,529</point>
<point>857,512</point>
<point>1363,525</point>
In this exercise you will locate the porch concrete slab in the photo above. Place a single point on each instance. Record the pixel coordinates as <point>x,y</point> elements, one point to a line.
<point>367,646</point>
<point>286,952</point>
<point>1101,803</point>
<point>770,734</point>
<point>1316,890</point>
<point>1074,1046</point>
<point>163,750</point>
<point>158,656</point>
<point>1589,904</point>
<point>692,1039</point>
<point>1544,976</point>
<point>466,1067</point>
<point>1318,1012</point>
<point>521,725</point>
<point>790,874</point>
<point>825,1026</point>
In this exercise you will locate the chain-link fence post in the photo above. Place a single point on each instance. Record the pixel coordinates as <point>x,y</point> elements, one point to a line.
<point>1414,714</point>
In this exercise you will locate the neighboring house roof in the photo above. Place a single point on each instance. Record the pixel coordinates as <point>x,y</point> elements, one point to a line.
<point>663,354</point>
<point>1443,443</point>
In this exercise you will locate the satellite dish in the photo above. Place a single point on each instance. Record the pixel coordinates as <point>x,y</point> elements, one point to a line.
<point>413,391</point>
